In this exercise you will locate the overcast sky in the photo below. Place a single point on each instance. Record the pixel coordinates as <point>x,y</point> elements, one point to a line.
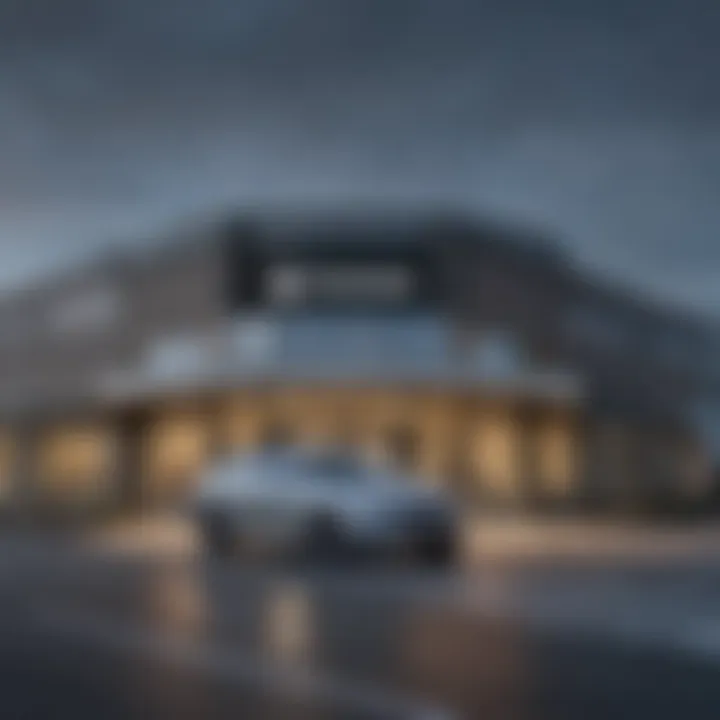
<point>600,118</point>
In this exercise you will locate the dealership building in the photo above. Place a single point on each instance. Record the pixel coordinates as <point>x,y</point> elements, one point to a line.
<point>475,356</point>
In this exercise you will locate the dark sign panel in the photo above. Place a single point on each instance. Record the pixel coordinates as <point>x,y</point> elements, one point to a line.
<point>298,284</point>
<point>296,276</point>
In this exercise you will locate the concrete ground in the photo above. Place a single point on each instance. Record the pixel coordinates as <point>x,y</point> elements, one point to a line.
<point>484,539</point>
<point>527,538</point>
<point>545,620</point>
<point>109,629</point>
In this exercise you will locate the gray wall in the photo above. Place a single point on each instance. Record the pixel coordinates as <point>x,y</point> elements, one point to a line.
<point>47,347</point>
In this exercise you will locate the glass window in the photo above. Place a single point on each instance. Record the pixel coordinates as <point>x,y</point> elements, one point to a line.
<point>498,352</point>
<point>177,355</point>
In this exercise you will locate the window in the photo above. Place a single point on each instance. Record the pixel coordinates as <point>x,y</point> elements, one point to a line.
<point>498,352</point>
<point>176,356</point>
<point>255,340</point>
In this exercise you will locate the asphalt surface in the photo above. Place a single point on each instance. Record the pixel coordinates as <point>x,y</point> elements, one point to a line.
<point>88,636</point>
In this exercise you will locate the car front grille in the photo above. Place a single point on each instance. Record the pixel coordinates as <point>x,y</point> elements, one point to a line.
<point>426,519</point>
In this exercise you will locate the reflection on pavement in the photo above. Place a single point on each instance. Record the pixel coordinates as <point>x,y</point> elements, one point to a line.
<point>197,639</point>
<point>173,602</point>
<point>289,635</point>
<point>177,601</point>
<point>482,667</point>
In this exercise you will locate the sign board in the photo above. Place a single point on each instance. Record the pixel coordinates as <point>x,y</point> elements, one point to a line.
<point>341,275</point>
<point>339,284</point>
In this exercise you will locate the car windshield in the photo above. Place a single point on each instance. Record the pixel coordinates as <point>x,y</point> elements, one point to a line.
<point>235,467</point>
<point>336,467</point>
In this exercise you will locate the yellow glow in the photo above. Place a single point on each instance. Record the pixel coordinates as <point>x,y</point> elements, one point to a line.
<point>177,449</point>
<point>77,460</point>
<point>495,453</point>
<point>289,624</point>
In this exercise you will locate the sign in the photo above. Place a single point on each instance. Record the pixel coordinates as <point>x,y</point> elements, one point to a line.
<point>352,272</point>
<point>339,284</point>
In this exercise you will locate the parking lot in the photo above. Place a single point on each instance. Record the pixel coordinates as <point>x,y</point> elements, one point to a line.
<point>115,630</point>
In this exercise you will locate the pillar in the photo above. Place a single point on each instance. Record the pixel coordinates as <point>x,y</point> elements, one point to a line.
<point>23,476</point>
<point>132,430</point>
<point>6,467</point>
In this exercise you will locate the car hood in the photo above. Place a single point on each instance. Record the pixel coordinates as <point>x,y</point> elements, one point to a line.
<point>402,491</point>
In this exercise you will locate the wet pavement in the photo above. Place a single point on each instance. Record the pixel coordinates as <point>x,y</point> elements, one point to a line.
<point>87,636</point>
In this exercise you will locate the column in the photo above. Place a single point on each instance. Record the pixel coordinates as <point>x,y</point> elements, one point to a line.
<point>24,473</point>
<point>7,451</point>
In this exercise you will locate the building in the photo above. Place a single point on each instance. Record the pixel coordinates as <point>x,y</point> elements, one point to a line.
<point>474,355</point>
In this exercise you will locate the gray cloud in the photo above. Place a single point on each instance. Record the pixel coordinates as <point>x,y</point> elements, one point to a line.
<point>601,119</point>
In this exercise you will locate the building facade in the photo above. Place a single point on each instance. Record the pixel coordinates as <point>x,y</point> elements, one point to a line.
<point>475,357</point>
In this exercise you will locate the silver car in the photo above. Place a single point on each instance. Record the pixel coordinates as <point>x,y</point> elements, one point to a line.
<point>322,504</point>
